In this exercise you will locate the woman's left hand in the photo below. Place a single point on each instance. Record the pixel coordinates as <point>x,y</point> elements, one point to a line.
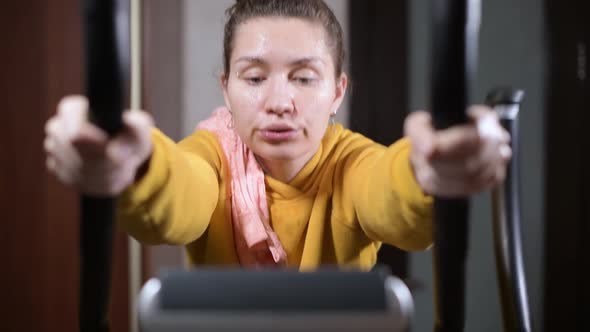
<point>461,160</point>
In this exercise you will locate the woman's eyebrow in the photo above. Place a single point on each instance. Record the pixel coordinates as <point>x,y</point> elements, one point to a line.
<point>298,62</point>
<point>306,61</point>
<point>251,59</point>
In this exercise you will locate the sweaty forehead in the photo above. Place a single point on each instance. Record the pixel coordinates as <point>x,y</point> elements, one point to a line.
<point>280,38</point>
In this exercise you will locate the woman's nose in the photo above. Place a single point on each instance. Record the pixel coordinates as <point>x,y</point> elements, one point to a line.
<point>279,97</point>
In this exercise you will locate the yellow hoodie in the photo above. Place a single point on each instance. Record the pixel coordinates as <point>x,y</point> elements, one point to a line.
<point>350,197</point>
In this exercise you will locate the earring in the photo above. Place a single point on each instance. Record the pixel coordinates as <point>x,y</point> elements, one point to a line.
<point>332,119</point>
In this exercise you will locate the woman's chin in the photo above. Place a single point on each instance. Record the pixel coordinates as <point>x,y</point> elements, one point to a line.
<point>281,153</point>
<point>282,156</point>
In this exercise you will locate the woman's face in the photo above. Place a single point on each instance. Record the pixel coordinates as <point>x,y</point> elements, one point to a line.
<point>281,87</point>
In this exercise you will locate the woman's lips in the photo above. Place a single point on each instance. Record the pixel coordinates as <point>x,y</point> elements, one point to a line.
<point>278,134</point>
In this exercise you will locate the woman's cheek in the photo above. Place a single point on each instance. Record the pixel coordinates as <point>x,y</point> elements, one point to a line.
<point>252,97</point>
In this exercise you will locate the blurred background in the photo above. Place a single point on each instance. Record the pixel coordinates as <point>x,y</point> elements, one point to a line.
<point>540,46</point>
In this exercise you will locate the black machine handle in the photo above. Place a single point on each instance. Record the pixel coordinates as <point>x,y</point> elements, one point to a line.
<point>506,218</point>
<point>454,57</point>
<point>104,90</point>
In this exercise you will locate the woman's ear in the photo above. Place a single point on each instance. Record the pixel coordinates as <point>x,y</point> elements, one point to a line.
<point>340,92</point>
<point>223,81</point>
<point>223,84</point>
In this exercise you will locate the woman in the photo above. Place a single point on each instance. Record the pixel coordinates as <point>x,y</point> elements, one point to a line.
<point>269,180</point>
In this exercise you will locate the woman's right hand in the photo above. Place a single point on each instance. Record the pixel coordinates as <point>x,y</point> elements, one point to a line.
<point>82,155</point>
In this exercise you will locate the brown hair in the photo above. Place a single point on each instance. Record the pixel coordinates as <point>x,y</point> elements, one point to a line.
<point>316,11</point>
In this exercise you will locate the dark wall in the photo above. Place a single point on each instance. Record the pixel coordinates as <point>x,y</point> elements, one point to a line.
<point>40,55</point>
<point>568,163</point>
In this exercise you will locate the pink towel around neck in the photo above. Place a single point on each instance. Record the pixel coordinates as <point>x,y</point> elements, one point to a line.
<point>257,245</point>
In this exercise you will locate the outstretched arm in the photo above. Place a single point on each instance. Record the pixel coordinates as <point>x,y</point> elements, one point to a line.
<point>174,200</point>
<point>393,188</point>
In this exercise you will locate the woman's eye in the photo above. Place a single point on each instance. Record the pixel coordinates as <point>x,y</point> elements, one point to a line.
<point>254,80</point>
<point>304,80</point>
